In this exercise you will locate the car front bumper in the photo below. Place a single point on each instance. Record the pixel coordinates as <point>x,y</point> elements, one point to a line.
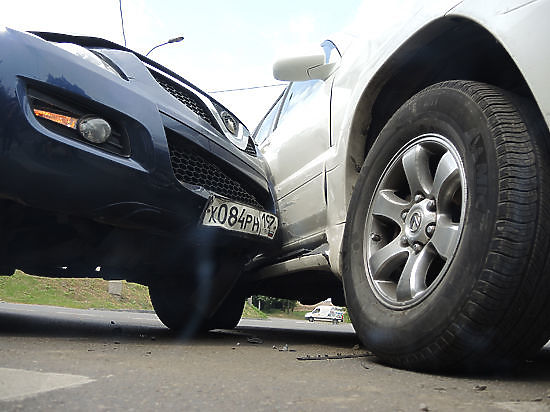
<point>142,189</point>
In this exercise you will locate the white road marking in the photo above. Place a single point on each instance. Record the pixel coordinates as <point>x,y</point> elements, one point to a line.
<point>74,313</point>
<point>22,310</point>
<point>149,319</point>
<point>18,384</point>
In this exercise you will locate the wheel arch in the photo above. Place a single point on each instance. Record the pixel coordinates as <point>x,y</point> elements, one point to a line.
<point>456,48</point>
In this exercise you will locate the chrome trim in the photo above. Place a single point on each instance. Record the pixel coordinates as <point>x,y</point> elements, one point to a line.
<point>240,140</point>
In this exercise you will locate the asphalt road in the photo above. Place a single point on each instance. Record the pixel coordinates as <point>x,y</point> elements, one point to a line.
<point>66,359</point>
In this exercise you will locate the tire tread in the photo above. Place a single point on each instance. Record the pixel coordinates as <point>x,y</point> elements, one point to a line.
<point>514,275</point>
<point>505,317</point>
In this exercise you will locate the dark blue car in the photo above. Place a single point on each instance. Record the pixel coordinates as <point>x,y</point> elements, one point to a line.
<point>113,166</point>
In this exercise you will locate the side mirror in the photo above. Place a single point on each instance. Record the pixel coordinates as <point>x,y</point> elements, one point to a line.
<point>301,68</point>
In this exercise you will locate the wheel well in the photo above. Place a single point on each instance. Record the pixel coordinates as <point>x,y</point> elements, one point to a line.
<point>309,287</point>
<point>447,49</point>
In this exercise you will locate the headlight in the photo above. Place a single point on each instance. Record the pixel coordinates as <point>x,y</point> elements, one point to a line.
<point>88,55</point>
<point>230,123</point>
<point>234,130</point>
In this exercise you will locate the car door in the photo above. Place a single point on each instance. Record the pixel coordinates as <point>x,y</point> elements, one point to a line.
<point>296,151</point>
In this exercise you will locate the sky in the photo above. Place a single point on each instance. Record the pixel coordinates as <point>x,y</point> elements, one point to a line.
<point>228,44</point>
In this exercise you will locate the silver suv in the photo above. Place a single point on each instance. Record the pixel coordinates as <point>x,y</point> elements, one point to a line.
<point>410,164</point>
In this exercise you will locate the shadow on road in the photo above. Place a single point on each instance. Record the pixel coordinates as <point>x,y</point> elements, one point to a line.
<point>41,326</point>
<point>101,330</point>
<point>537,368</point>
<point>31,325</point>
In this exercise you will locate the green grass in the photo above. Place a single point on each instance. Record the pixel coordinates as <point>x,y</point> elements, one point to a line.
<point>82,294</point>
<point>73,293</point>
<point>253,312</point>
<point>277,313</point>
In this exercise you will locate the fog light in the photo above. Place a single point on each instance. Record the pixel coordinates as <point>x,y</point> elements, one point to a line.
<point>94,129</point>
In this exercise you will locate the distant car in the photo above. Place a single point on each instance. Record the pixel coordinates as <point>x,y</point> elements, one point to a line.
<point>410,160</point>
<point>113,166</point>
<point>326,313</point>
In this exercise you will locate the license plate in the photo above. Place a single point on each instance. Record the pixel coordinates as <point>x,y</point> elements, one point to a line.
<point>240,218</point>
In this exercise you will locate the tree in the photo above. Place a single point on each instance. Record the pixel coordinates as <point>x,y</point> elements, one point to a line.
<point>267,303</point>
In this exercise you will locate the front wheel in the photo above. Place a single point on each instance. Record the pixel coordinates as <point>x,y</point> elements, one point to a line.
<point>179,309</point>
<point>173,305</point>
<point>447,233</point>
<point>228,315</point>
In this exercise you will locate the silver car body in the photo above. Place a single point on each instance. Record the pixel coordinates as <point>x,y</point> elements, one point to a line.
<point>318,146</point>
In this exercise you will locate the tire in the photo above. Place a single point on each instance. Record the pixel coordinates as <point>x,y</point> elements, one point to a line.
<point>172,304</point>
<point>190,303</point>
<point>447,237</point>
<point>176,308</point>
<point>228,315</point>
<point>311,319</point>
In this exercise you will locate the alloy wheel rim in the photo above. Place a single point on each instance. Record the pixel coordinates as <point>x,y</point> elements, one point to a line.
<point>414,221</point>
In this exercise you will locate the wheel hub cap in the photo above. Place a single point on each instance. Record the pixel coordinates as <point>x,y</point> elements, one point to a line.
<point>414,221</point>
<point>417,221</point>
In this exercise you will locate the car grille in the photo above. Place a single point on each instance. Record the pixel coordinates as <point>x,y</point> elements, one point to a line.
<point>191,168</point>
<point>187,97</point>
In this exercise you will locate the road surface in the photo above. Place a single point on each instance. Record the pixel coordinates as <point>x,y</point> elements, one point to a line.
<point>66,359</point>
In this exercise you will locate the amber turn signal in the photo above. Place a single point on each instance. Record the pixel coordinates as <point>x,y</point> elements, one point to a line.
<point>91,128</point>
<point>64,120</point>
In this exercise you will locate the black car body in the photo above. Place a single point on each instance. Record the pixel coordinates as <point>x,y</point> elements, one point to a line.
<point>131,207</point>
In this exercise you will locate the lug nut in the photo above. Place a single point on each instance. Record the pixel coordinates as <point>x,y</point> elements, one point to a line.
<point>418,198</point>
<point>404,215</point>
<point>417,247</point>
<point>404,241</point>
<point>375,237</point>
<point>430,229</point>
<point>431,206</point>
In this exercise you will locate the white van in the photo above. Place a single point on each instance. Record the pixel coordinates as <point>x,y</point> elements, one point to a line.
<point>332,314</point>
